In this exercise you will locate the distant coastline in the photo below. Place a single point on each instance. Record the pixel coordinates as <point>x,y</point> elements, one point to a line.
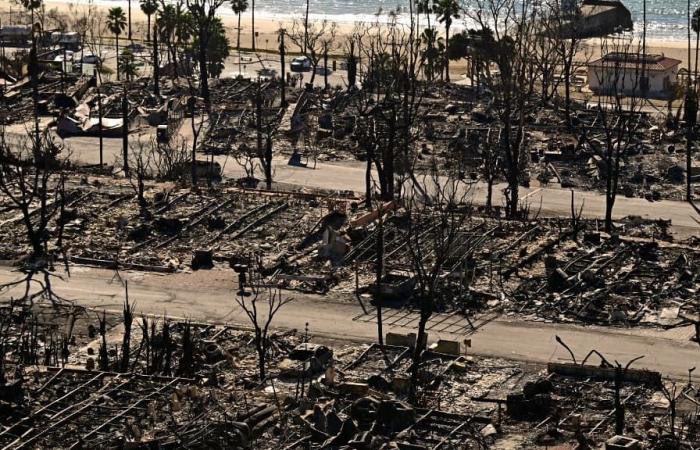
<point>267,24</point>
<point>666,18</point>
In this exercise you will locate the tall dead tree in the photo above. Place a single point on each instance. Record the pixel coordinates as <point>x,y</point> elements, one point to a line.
<point>618,75</point>
<point>545,57</point>
<point>32,180</point>
<point>561,25</point>
<point>283,67</point>
<point>504,42</point>
<point>203,14</point>
<point>156,59</point>
<point>312,40</point>
<point>442,215</point>
<point>265,127</point>
<point>261,306</point>
<point>389,104</point>
<point>125,128</point>
<point>34,80</point>
<point>140,162</point>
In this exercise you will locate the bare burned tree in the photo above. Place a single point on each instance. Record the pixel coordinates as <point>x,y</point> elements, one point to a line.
<point>169,158</point>
<point>32,178</point>
<point>203,14</point>
<point>670,392</point>
<point>246,157</point>
<point>196,131</point>
<point>444,216</point>
<point>260,306</point>
<point>504,28</point>
<point>545,57</point>
<point>313,40</point>
<point>491,156</point>
<point>266,120</point>
<point>618,76</point>
<point>389,104</point>
<point>140,164</point>
<point>562,27</point>
<point>313,146</point>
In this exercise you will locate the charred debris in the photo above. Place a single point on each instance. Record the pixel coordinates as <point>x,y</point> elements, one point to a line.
<point>74,378</point>
<point>152,175</point>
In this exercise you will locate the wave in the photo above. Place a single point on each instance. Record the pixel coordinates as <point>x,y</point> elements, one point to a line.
<point>665,19</point>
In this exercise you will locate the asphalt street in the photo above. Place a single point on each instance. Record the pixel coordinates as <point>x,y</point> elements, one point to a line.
<point>181,295</point>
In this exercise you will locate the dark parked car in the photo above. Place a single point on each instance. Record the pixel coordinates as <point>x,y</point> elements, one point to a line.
<point>301,64</point>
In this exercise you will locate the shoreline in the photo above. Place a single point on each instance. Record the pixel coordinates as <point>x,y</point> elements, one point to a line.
<point>267,25</point>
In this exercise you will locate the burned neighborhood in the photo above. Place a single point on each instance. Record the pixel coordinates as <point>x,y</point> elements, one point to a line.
<point>455,224</point>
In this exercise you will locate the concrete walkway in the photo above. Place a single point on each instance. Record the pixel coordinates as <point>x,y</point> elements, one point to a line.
<point>183,295</point>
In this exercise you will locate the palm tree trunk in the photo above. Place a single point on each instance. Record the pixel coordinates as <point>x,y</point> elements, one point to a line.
<point>203,69</point>
<point>252,23</point>
<point>148,29</point>
<point>697,41</point>
<point>156,64</point>
<point>306,26</point>
<point>238,37</point>
<point>116,36</point>
<point>129,8</point>
<point>447,46</point>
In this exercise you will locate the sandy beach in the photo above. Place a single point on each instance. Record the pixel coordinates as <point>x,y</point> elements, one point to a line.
<point>266,29</point>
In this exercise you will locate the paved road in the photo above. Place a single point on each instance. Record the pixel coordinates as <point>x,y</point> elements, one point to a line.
<point>181,296</point>
<point>549,202</point>
<point>350,176</point>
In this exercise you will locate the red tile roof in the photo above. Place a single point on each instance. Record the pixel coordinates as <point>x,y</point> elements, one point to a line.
<point>653,63</point>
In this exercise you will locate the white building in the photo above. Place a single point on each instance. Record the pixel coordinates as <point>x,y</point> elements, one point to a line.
<point>652,76</point>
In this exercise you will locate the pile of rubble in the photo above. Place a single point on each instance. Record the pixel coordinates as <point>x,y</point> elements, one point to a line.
<point>196,385</point>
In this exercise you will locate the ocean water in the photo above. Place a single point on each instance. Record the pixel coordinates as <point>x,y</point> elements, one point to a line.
<point>666,19</point>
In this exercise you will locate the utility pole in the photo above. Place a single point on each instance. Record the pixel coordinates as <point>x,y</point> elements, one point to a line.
<point>691,113</point>
<point>156,67</point>
<point>283,69</point>
<point>645,82</point>
<point>306,26</point>
<point>125,132</point>
<point>63,71</point>
<point>191,102</point>
<point>129,9</point>
<point>325,66</point>
<point>99,120</point>
<point>619,409</point>
<point>252,26</point>
<point>258,117</point>
<point>380,273</point>
<point>33,73</point>
<point>2,50</point>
